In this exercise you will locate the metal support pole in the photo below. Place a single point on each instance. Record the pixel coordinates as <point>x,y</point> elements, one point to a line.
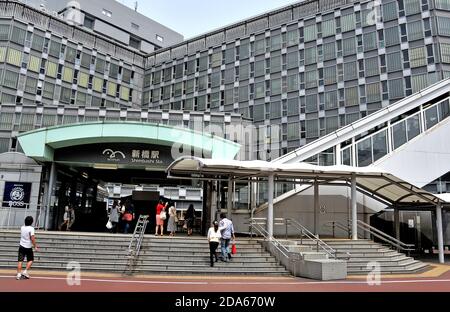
<point>354,208</point>
<point>397,223</point>
<point>270,206</point>
<point>440,233</point>
<point>316,208</point>
<point>51,185</point>
<point>230,198</point>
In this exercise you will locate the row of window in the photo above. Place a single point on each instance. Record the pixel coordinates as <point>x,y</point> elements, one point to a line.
<point>388,37</point>
<point>69,54</point>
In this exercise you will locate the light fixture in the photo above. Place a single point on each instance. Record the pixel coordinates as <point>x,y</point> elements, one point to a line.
<point>106,166</point>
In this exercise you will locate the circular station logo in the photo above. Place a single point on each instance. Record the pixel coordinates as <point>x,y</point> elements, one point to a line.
<point>17,194</point>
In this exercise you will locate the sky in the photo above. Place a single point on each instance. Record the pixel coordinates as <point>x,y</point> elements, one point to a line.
<point>195,17</point>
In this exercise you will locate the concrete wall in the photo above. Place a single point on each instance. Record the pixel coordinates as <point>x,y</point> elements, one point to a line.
<point>16,167</point>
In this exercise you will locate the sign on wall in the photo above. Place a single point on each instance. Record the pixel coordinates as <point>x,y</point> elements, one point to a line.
<point>16,194</point>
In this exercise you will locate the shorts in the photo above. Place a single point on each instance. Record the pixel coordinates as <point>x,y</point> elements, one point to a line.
<point>25,252</point>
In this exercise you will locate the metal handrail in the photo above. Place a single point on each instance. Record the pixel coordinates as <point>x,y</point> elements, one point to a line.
<point>392,241</point>
<point>260,227</point>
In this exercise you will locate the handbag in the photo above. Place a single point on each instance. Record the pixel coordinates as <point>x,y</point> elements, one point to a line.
<point>127,217</point>
<point>109,225</point>
<point>162,215</point>
<point>233,249</point>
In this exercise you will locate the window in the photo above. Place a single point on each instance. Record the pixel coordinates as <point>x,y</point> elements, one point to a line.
<point>396,88</point>
<point>293,131</point>
<point>442,4</point>
<point>83,80</point>
<point>392,36</point>
<point>415,30</point>
<point>412,6</point>
<point>38,42</point>
<point>65,95</point>
<point>275,64</point>
<point>10,79</point>
<point>371,66</point>
<point>160,38</point>
<point>351,96</point>
<point>445,52</point>
<point>373,93</point>
<point>113,70</point>
<point>107,12</point>
<point>370,41</point>
<point>260,89</point>
<point>292,106</point>
<point>394,61</point>
<point>4,32</point>
<point>312,128</point>
<point>275,86</point>
<point>89,22</point>
<point>350,71</point>
<point>390,11</point>
<point>311,79</point>
<point>329,75</point>
<point>275,42</point>
<point>291,59</point>
<point>310,55</point>
<point>125,93</point>
<point>31,85</point>
<point>329,51</point>
<point>348,22</point>
<point>34,64</point>
<point>331,100</point>
<point>292,83</point>
<point>48,91</point>
<point>14,57</point>
<point>55,49</point>
<point>135,43</point>
<point>97,84</point>
<point>349,46</point>
<point>18,35</point>
<point>310,32</point>
<point>417,57</point>
<point>443,25</point>
<point>292,37</point>
<point>329,27</point>
<point>68,74</point>
<point>100,65</point>
<point>311,103</point>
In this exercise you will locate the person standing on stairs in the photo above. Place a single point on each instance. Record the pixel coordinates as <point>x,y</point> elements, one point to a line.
<point>160,222</point>
<point>189,218</point>
<point>172,221</point>
<point>227,230</point>
<point>27,242</point>
<point>214,237</point>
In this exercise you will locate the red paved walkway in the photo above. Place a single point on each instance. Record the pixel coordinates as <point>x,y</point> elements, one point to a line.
<point>48,283</point>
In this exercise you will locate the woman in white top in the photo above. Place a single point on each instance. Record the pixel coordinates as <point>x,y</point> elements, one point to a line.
<point>172,222</point>
<point>214,236</point>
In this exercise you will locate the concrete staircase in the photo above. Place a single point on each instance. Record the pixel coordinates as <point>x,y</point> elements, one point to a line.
<point>364,251</point>
<point>159,255</point>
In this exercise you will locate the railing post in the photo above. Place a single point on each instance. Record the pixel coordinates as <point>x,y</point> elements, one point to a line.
<point>334,226</point>
<point>317,243</point>
<point>301,236</point>
<point>286,225</point>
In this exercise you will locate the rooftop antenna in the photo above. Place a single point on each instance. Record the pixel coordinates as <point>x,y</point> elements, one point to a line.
<point>135,6</point>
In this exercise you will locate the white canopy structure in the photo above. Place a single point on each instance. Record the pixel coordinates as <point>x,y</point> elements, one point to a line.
<point>372,181</point>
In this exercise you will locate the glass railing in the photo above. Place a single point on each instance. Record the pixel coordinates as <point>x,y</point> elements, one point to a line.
<point>377,145</point>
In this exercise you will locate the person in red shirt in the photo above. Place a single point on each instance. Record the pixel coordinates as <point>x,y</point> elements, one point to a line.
<point>160,222</point>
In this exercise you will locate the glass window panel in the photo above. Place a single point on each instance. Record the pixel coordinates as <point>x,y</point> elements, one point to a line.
<point>373,93</point>
<point>310,55</point>
<point>31,85</point>
<point>412,6</point>
<point>275,64</point>
<point>390,11</point>
<point>364,152</point>
<point>293,131</point>
<point>350,70</point>
<point>329,51</point>
<point>14,57</point>
<point>260,68</point>
<point>11,78</point>
<point>52,69</point>
<point>312,128</point>
<point>329,75</point>
<point>391,36</point>
<point>260,90</point>
<point>349,46</point>
<point>379,141</point>
<point>399,134</point>
<point>445,52</point>
<point>443,25</point>
<point>100,65</point>
<point>275,86</point>
<point>34,64</point>
<point>415,30</point>
<point>310,32</point>
<point>275,42</point>
<point>348,22</point>
<point>49,90</point>
<point>4,32</point>
<point>124,93</point>
<point>351,96</point>
<point>292,106</point>
<point>431,117</point>
<point>347,156</point>
<point>19,35</point>
<point>331,100</point>
<point>311,103</point>
<point>292,37</point>
<point>417,57</point>
<point>394,61</point>
<point>68,74</point>
<point>371,66</point>
<point>413,126</point>
<point>83,80</point>
<point>328,27</point>
<point>396,88</point>
<point>292,83</point>
<point>331,124</point>
<point>38,43</point>
<point>291,59</point>
<point>370,41</point>
<point>311,79</point>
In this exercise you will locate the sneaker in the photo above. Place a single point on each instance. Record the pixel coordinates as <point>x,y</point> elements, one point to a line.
<point>25,275</point>
<point>18,276</point>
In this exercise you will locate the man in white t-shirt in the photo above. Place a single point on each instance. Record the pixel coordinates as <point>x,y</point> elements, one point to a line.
<point>27,242</point>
